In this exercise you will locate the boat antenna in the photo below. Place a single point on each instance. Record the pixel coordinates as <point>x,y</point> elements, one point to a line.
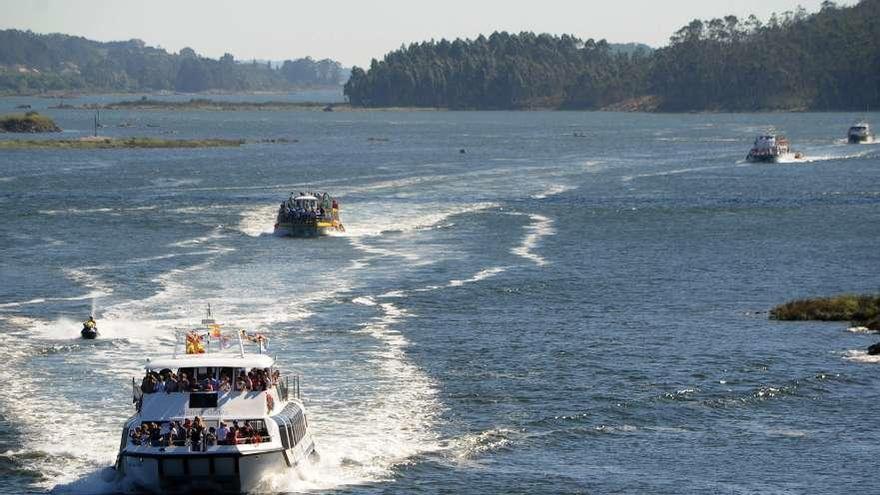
<point>240,343</point>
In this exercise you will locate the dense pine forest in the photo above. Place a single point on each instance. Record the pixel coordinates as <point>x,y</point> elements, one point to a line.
<point>828,60</point>
<point>35,63</point>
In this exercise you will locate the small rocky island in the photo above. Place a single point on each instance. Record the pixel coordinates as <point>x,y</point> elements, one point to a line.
<point>31,122</point>
<point>861,310</point>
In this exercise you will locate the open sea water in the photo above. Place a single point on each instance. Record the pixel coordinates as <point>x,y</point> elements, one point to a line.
<point>577,303</point>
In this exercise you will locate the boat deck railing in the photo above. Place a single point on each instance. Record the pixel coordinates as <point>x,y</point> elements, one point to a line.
<point>289,387</point>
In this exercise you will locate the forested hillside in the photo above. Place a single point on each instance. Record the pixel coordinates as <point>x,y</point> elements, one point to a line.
<point>34,63</point>
<point>826,60</point>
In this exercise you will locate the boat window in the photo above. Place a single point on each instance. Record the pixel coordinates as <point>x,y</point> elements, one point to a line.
<point>202,399</point>
<point>284,431</point>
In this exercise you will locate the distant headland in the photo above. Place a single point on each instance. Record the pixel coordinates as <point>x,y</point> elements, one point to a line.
<point>796,61</point>
<point>32,63</point>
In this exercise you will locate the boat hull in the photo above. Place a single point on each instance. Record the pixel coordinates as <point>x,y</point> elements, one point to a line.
<point>226,473</point>
<point>89,334</point>
<point>772,158</point>
<point>762,158</point>
<point>856,139</point>
<point>300,230</point>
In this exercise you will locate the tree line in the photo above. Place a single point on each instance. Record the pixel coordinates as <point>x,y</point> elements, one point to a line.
<point>826,60</point>
<point>34,63</point>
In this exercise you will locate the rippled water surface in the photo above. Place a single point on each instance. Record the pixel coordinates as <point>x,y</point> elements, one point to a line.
<point>575,303</point>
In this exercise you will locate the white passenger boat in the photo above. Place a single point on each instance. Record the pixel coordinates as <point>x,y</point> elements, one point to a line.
<point>860,132</point>
<point>771,148</point>
<point>174,442</point>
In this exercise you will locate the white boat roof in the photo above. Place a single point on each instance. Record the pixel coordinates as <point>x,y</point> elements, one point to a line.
<point>225,360</point>
<point>306,198</point>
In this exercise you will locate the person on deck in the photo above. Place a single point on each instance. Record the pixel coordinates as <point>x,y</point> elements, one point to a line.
<point>222,433</point>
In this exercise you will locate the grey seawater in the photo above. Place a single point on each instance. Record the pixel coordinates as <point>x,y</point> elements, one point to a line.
<point>575,304</point>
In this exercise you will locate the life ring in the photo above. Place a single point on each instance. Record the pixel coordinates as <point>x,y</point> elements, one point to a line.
<point>270,402</point>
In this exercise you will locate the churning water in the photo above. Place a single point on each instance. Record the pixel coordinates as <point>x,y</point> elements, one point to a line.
<point>575,303</point>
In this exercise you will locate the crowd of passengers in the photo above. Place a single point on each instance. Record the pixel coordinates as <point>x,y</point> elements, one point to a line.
<point>168,381</point>
<point>195,435</point>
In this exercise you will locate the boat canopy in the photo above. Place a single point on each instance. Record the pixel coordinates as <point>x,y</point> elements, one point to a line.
<point>224,360</point>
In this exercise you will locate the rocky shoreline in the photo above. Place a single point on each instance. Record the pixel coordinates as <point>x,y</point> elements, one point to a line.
<point>118,143</point>
<point>862,311</point>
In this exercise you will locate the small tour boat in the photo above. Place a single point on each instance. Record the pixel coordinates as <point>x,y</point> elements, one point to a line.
<point>771,148</point>
<point>860,132</point>
<point>213,420</point>
<point>308,215</point>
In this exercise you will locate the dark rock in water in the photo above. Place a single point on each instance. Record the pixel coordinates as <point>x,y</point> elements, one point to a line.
<point>874,349</point>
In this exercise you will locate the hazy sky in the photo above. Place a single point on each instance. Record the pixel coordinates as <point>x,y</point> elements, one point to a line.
<point>354,31</point>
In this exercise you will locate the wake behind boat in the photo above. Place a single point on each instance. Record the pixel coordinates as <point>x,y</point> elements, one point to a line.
<point>308,215</point>
<point>771,148</point>
<point>218,422</point>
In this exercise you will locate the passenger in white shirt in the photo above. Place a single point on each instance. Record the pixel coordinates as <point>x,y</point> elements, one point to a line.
<point>222,432</point>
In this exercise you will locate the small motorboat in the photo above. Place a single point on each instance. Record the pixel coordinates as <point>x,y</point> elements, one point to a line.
<point>90,329</point>
<point>860,132</point>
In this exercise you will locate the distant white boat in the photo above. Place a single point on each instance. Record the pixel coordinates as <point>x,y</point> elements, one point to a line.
<point>860,132</point>
<point>273,434</point>
<point>771,148</point>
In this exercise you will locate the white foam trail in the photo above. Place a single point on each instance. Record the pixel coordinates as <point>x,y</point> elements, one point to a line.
<point>363,229</point>
<point>480,275</point>
<point>861,357</point>
<point>364,301</point>
<point>629,178</point>
<point>552,191</point>
<point>473,446</point>
<point>373,219</point>
<point>540,227</point>
<point>812,158</point>
<point>258,221</point>
<point>41,300</point>
<point>85,211</point>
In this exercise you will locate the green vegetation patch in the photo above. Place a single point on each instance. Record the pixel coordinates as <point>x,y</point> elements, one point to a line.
<point>114,143</point>
<point>28,122</point>
<point>209,104</point>
<point>860,309</point>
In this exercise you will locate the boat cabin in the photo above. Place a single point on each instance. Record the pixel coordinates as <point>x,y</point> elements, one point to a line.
<point>306,202</point>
